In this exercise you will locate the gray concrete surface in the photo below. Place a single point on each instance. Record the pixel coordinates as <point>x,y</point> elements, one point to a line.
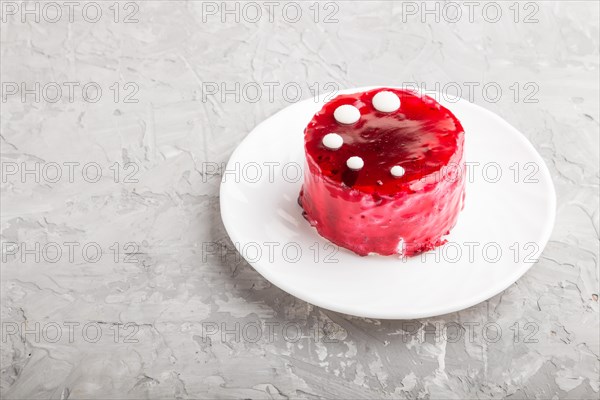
<point>167,309</point>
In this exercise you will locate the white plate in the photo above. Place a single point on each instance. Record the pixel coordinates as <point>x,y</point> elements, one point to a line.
<point>259,192</point>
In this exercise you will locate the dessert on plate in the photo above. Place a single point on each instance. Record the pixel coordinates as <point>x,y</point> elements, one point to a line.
<point>383,172</point>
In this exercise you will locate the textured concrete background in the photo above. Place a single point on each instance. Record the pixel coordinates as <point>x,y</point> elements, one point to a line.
<point>161,314</point>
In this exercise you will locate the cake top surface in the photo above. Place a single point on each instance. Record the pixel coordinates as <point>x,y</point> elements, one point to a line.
<point>382,140</point>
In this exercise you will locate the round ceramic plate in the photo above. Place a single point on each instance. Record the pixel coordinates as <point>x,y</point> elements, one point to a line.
<point>506,222</point>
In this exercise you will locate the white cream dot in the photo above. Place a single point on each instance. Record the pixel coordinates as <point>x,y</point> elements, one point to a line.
<point>333,141</point>
<point>397,171</point>
<point>355,163</point>
<point>346,114</point>
<point>386,101</point>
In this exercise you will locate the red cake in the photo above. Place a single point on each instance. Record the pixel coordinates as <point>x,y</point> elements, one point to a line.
<point>384,172</point>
